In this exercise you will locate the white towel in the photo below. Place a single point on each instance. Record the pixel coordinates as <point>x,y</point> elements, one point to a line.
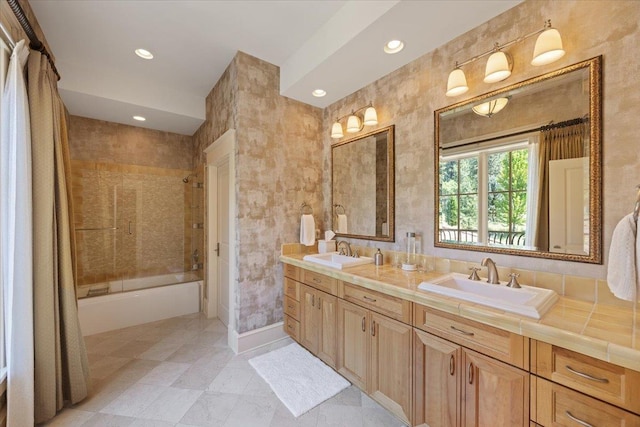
<point>624,260</point>
<point>342,224</point>
<point>307,230</point>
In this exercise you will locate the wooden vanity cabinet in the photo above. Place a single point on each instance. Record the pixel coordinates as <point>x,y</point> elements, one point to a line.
<point>373,353</point>
<point>318,323</point>
<point>455,386</point>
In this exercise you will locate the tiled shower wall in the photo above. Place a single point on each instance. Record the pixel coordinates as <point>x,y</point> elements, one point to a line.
<point>134,215</point>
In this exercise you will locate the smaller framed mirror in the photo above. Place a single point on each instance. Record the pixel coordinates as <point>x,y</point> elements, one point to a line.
<point>362,193</point>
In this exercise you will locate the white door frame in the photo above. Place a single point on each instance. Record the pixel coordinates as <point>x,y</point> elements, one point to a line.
<point>221,149</point>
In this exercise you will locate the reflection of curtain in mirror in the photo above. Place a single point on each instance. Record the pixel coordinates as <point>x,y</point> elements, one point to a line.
<point>532,191</point>
<point>560,141</point>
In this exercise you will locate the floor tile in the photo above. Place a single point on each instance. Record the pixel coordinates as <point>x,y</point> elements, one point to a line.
<point>165,373</point>
<point>171,404</point>
<point>231,380</point>
<point>134,400</point>
<point>108,420</point>
<point>211,409</point>
<point>69,418</point>
<point>340,416</point>
<point>252,411</point>
<point>107,366</point>
<point>160,351</point>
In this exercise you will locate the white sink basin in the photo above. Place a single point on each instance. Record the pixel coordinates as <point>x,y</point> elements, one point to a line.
<point>333,259</point>
<point>526,301</point>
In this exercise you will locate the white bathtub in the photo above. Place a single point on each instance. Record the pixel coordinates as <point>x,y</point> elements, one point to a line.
<point>139,304</point>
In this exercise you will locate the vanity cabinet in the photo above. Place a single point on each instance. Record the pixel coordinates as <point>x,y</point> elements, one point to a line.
<point>467,373</point>
<point>574,389</point>
<point>373,354</point>
<point>318,323</point>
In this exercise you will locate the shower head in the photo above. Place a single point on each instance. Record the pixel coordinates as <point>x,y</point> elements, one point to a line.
<point>186,178</point>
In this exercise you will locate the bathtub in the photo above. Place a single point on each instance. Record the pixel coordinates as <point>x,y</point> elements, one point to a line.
<point>143,300</point>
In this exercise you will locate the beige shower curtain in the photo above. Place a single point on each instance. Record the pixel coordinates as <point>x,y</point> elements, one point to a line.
<point>61,367</point>
<point>556,143</point>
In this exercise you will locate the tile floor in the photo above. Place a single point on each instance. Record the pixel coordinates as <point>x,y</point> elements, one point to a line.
<point>180,372</point>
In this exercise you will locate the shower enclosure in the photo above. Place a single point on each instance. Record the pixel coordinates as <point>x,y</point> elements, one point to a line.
<point>135,227</point>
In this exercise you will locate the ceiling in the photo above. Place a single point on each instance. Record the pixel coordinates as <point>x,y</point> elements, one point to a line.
<point>333,45</point>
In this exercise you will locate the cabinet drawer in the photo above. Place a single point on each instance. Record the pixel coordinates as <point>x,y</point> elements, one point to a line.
<point>292,308</point>
<point>320,281</point>
<point>292,272</point>
<point>603,380</point>
<point>292,289</point>
<point>393,307</point>
<point>556,405</point>
<point>494,342</point>
<point>292,327</point>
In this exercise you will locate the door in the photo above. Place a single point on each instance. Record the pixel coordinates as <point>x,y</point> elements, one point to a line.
<point>496,394</point>
<point>309,319</point>
<point>223,240</point>
<point>437,385</point>
<point>327,345</point>
<point>390,380</point>
<point>353,343</point>
<point>569,206</point>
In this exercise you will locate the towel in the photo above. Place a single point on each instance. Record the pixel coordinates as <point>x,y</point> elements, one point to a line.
<point>624,260</point>
<point>307,230</point>
<point>342,224</point>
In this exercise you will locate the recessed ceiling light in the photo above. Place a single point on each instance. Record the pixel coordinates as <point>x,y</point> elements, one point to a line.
<point>393,46</point>
<point>319,93</point>
<point>139,118</point>
<point>144,53</point>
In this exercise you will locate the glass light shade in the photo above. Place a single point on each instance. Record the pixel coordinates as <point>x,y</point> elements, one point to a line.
<point>548,47</point>
<point>490,108</point>
<point>457,83</point>
<point>498,67</point>
<point>370,116</point>
<point>336,130</point>
<point>353,124</point>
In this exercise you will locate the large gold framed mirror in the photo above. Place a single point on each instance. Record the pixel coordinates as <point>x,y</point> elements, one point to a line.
<point>363,177</point>
<point>518,170</point>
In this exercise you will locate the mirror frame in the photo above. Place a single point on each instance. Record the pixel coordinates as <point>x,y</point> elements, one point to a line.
<point>391,173</point>
<point>594,66</point>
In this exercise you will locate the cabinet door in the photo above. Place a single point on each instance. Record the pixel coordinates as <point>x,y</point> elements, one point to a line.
<point>353,343</point>
<point>309,319</point>
<point>437,395</point>
<point>327,344</point>
<point>390,380</point>
<point>496,394</point>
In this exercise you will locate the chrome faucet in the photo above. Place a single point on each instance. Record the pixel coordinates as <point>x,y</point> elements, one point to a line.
<point>492,271</point>
<point>342,251</point>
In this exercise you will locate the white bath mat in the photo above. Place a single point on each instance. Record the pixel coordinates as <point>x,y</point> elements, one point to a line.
<point>299,379</point>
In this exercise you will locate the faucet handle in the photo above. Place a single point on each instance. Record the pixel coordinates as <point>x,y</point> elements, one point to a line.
<point>355,254</point>
<point>513,282</point>
<point>474,273</point>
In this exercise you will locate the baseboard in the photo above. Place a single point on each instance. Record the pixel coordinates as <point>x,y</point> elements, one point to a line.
<point>241,343</point>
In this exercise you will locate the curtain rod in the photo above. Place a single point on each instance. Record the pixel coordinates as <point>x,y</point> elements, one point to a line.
<point>550,126</point>
<point>35,43</point>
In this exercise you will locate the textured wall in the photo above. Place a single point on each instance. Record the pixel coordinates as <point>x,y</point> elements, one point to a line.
<point>108,142</point>
<point>278,166</point>
<point>408,97</point>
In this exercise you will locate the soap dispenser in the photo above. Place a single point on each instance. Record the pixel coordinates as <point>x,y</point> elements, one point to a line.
<point>377,258</point>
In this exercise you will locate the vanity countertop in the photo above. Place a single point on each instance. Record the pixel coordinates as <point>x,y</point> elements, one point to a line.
<point>608,333</point>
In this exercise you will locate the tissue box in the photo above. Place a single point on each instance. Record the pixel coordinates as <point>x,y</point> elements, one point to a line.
<point>325,246</point>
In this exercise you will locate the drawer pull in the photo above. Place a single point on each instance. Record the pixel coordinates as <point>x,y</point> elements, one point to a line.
<point>373,328</point>
<point>577,420</point>
<point>470,373</point>
<point>587,376</point>
<point>366,298</point>
<point>470,334</point>
<point>364,327</point>
<point>315,279</point>
<point>452,365</point>
<point>313,300</point>
<point>319,303</point>
<point>290,307</point>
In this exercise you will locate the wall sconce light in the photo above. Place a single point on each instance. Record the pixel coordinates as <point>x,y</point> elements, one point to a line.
<point>489,108</point>
<point>354,123</point>
<point>548,48</point>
